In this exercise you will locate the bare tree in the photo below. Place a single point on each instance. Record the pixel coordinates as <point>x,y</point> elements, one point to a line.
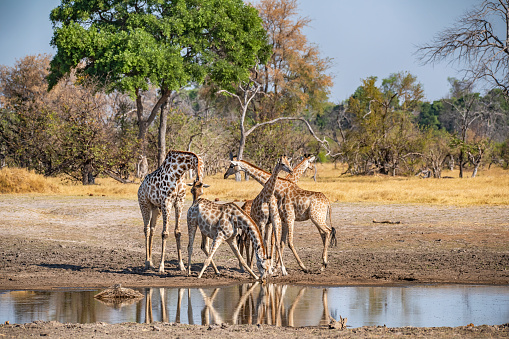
<point>480,41</point>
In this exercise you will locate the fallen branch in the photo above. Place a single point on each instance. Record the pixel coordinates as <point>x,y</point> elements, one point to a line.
<point>386,222</point>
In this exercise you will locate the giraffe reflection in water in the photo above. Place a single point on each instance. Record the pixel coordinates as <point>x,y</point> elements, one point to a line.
<point>253,303</point>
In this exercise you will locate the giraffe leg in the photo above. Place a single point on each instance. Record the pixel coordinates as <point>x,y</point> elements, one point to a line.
<point>191,232</point>
<point>276,238</point>
<point>149,216</point>
<point>215,245</point>
<point>205,249</point>
<point>239,257</point>
<point>164,236</point>
<point>318,217</point>
<point>178,211</point>
<point>290,223</point>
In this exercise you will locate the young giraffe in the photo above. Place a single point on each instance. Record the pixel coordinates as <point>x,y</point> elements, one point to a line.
<point>158,191</point>
<point>295,204</point>
<point>220,222</point>
<point>294,177</point>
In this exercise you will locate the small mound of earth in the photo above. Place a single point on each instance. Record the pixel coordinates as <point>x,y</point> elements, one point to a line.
<point>118,296</point>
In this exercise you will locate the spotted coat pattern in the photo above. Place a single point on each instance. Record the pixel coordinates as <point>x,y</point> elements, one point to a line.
<point>295,204</point>
<point>158,192</point>
<point>221,222</point>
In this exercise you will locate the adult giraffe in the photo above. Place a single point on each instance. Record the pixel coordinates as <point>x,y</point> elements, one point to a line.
<point>161,189</point>
<point>295,204</point>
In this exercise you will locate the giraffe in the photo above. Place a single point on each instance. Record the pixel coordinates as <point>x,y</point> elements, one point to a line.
<point>295,204</point>
<point>264,210</point>
<point>294,177</point>
<point>160,189</point>
<point>220,222</point>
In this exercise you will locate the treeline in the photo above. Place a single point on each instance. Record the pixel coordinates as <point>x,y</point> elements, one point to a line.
<point>389,129</point>
<point>386,128</point>
<point>235,80</point>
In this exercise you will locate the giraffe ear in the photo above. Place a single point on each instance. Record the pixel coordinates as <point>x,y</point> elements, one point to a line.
<point>188,184</point>
<point>205,185</point>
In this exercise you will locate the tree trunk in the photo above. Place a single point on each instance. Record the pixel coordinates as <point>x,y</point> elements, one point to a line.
<point>162,134</point>
<point>242,145</point>
<point>87,174</point>
<point>461,163</point>
<point>476,167</point>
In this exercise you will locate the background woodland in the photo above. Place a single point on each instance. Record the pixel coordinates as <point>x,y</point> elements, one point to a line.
<point>98,107</point>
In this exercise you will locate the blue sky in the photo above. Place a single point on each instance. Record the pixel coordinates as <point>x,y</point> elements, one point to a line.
<point>364,38</point>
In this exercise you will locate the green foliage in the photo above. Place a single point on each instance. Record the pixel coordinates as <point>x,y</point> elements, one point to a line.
<point>429,114</point>
<point>382,137</point>
<point>130,45</point>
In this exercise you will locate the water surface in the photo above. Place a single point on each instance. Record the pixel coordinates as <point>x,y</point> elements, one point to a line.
<point>281,305</point>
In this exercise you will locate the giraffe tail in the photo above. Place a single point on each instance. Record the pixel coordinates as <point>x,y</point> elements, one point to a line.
<point>333,240</point>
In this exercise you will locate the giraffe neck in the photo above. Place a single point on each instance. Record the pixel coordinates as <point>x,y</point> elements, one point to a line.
<point>178,162</point>
<point>298,171</point>
<point>261,176</point>
<point>270,185</point>
<point>249,226</point>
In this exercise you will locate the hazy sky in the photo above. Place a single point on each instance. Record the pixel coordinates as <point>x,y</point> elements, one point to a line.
<point>364,37</point>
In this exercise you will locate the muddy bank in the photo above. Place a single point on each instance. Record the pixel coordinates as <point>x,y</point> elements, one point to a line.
<point>52,242</point>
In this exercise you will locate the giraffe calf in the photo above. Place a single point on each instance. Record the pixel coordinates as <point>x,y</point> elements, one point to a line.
<point>220,222</point>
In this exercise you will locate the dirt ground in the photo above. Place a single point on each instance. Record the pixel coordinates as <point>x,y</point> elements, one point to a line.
<point>51,242</point>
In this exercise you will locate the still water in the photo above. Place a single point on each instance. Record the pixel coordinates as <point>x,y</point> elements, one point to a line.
<point>281,305</point>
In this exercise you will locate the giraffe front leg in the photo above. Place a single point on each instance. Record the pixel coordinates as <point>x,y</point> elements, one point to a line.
<point>178,234</point>
<point>276,229</point>
<point>215,246</point>
<point>241,260</point>
<point>205,249</point>
<point>149,217</point>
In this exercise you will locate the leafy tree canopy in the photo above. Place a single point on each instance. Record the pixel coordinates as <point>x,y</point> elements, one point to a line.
<point>132,44</point>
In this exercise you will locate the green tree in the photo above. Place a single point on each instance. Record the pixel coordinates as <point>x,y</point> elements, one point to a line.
<point>429,114</point>
<point>132,45</point>
<point>27,115</point>
<point>382,136</point>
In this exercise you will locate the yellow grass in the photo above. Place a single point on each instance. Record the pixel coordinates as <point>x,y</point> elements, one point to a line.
<point>490,187</point>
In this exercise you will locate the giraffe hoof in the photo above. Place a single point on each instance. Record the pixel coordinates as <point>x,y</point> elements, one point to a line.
<point>148,265</point>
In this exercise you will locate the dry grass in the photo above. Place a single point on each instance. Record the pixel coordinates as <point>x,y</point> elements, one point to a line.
<point>15,180</point>
<point>490,187</point>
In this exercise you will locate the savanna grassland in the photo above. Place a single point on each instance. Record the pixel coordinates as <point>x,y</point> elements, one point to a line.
<point>489,188</point>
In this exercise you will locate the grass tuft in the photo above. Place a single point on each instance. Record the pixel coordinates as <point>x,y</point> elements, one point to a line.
<point>17,180</point>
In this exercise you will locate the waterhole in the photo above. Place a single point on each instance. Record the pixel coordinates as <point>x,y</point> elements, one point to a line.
<point>280,305</point>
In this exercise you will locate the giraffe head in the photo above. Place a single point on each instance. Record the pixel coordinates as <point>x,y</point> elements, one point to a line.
<point>264,267</point>
<point>197,189</point>
<point>234,168</point>
<point>284,165</point>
